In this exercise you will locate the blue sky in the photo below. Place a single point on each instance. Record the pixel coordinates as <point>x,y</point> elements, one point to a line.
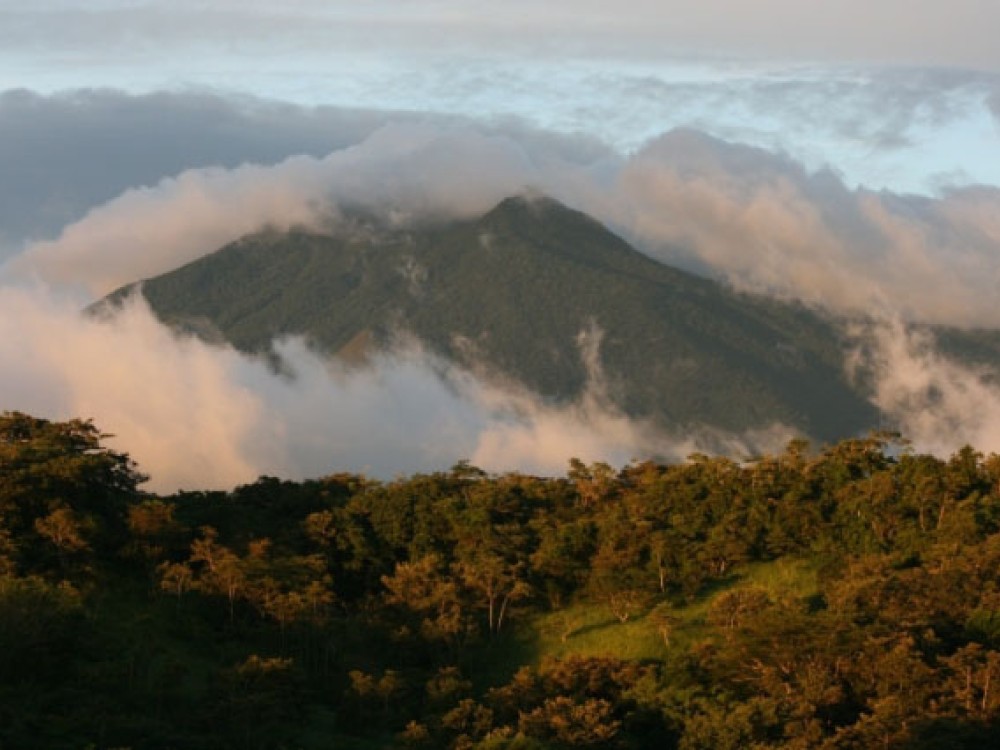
<point>896,94</point>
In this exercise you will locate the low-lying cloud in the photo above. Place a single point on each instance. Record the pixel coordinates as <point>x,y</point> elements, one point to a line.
<point>72,151</point>
<point>759,220</point>
<point>913,130</point>
<point>403,173</point>
<point>146,231</point>
<point>198,416</point>
<point>936,403</point>
<point>765,224</point>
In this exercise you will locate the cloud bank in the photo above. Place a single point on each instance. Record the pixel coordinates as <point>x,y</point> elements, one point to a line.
<point>401,172</point>
<point>957,34</point>
<point>912,130</point>
<point>757,219</point>
<point>197,416</point>
<point>765,224</point>
<point>67,153</point>
<point>775,145</point>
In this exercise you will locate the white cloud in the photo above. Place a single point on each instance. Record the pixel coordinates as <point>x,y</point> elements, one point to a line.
<point>403,171</point>
<point>766,224</point>
<point>173,403</point>
<point>73,151</point>
<point>937,404</point>
<point>147,230</point>
<point>759,220</point>
<point>197,416</point>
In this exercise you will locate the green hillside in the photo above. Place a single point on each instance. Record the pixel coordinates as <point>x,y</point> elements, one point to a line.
<point>514,289</point>
<point>844,599</point>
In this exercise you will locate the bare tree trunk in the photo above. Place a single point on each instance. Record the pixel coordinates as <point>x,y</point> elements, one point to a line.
<point>986,691</point>
<point>503,610</point>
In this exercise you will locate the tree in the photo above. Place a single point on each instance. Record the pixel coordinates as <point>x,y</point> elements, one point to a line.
<point>176,578</point>
<point>219,570</point>
<point>422,588</point>
<point>262,700</point>
<point>729,609</point>
<point>664,620</point>
<point>973,683</point>
<point>569,723</point>
<point>57,479</point>
<point>367,689</point>
<point>63,528</point>
<point>499,583</point>
<point>617,570</point>
<point>286,588</point>
<point>153,529</point>
<point>595,484</point>
<point>561,561</point>
<point>492,547</point>
<point>718,725</point>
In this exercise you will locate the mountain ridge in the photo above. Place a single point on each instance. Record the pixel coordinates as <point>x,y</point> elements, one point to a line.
<point>512,290</point>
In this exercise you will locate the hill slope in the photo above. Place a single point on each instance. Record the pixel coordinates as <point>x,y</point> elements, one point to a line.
<point>513,290</point>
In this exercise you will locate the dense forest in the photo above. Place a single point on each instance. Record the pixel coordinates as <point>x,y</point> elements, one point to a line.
<point>840,597</point>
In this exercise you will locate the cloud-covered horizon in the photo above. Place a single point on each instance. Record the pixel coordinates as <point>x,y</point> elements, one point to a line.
<point>843,155</point>
<point>759,219</point>
<point>909,130</point>
<point>66,153</point>
<point>201,416</point>
<point>928,32</point>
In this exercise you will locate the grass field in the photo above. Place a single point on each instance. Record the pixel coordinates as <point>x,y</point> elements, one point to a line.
<point>586,629</point>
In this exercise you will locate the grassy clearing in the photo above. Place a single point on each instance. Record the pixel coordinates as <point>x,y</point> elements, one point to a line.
<point>783,578</point>
<point>586,629</point>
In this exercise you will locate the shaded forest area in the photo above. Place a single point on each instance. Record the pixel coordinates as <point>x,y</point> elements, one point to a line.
<point>843,598</point>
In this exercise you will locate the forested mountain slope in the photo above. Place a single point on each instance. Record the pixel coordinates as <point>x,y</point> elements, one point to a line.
<point>516,292</point>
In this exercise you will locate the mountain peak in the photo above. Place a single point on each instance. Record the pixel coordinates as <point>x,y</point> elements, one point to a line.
<point>536,208</point>
<point>510,293</point>
<point>528,201</point>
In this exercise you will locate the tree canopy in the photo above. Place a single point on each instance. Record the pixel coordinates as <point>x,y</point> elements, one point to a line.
<point>847,597</point>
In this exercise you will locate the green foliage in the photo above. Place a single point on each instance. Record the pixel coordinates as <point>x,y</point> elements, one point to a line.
<point>40,627</point>
<point>846,599</point>
<point>531,289</point>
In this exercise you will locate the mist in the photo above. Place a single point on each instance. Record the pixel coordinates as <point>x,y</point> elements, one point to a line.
<point>760,221</point>
<point>199,416</point>
<point>765,224</point>
<point>937,404</point>
<point>72,151</point>
<point>402,172</point>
